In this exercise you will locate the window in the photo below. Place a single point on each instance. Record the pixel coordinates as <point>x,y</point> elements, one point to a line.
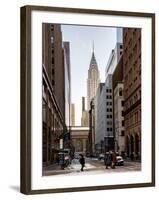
<point>52,60</point>
<point>52,27</point>
<point>120,92</point>
<point>122,113</point>
<point>122,133</point>
<point>110,129</point>
<point>53,71</point>
<point>53,82</point>
<point>122,103</point>
<point>110,116</point>
<point>107,129</point>
<point>122,122</point>
<point>52,40</point>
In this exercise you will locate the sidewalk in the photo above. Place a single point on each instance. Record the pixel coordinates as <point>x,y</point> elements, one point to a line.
<point>129,160</point>
<point>55,169</point>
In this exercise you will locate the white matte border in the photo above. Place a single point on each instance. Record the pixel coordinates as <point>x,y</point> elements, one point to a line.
<point>54,182</point>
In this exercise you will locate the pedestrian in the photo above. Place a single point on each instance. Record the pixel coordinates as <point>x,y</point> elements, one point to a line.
<point>108,159</point>
<point>114,160</point>
<point>82,161</point>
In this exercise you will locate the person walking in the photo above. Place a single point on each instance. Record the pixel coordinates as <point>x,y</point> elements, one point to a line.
<point>108,159</point>
<point>114,159</point>
<point>82,161</point>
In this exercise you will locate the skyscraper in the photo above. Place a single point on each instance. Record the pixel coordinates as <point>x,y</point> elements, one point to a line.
<point>85,114</point>
<point>83,103</point>
<point>72,114</point>
<point>93,79</point>
<point>53,91</point>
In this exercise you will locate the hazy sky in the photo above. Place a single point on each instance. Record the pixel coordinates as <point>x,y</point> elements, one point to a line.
<point>81,44</point>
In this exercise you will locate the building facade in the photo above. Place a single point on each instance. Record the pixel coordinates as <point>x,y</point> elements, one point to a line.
<point>132,90</point>
<point>79,136</point>
<point>109,134</point>
<point>118,108</point>
<point>93,80</point>
<point>100,118</point>
<point>67,93</point>
<point>114,58</point>
<point>91,138</point>
<point>53,92</point>
<point>85,114</point>
<point>104,117</point>
<point>72,114</point>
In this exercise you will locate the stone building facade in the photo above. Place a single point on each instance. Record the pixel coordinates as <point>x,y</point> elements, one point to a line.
<point>80,139</point>
<point>132,91</point>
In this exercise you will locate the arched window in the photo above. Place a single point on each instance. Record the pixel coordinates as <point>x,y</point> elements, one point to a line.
<point>120,92</point>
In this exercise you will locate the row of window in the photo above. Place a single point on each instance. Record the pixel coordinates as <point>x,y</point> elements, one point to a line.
<point>109,109</point>
<point>134,62</point>
<point>109,129</point>
<point>109,103</point>
<point>133,118</point>
<point>108,90</point>
<point>133,100</point>
<point>109,97</point>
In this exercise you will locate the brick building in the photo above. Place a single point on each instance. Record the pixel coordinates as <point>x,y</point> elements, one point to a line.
<point>132,90</point>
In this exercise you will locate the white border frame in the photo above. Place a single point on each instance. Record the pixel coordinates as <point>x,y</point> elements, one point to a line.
<point>54,182</point>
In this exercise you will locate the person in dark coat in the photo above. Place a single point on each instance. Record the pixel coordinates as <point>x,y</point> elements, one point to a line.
<point>82,161</point>
<point>108,159</point>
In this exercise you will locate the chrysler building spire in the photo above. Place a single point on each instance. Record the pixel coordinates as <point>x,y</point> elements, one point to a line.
<point>93,78</point>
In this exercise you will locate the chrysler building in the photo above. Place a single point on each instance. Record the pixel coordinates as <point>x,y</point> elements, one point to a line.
<point>93,79</point>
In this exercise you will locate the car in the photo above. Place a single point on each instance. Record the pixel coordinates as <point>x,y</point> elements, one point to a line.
<point>101,157</point>
<point>120,161</point>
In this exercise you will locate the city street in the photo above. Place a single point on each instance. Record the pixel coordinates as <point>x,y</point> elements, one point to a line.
<point>92,166</point>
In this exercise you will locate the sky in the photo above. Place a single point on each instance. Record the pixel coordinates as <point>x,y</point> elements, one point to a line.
<point>81,40</point>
